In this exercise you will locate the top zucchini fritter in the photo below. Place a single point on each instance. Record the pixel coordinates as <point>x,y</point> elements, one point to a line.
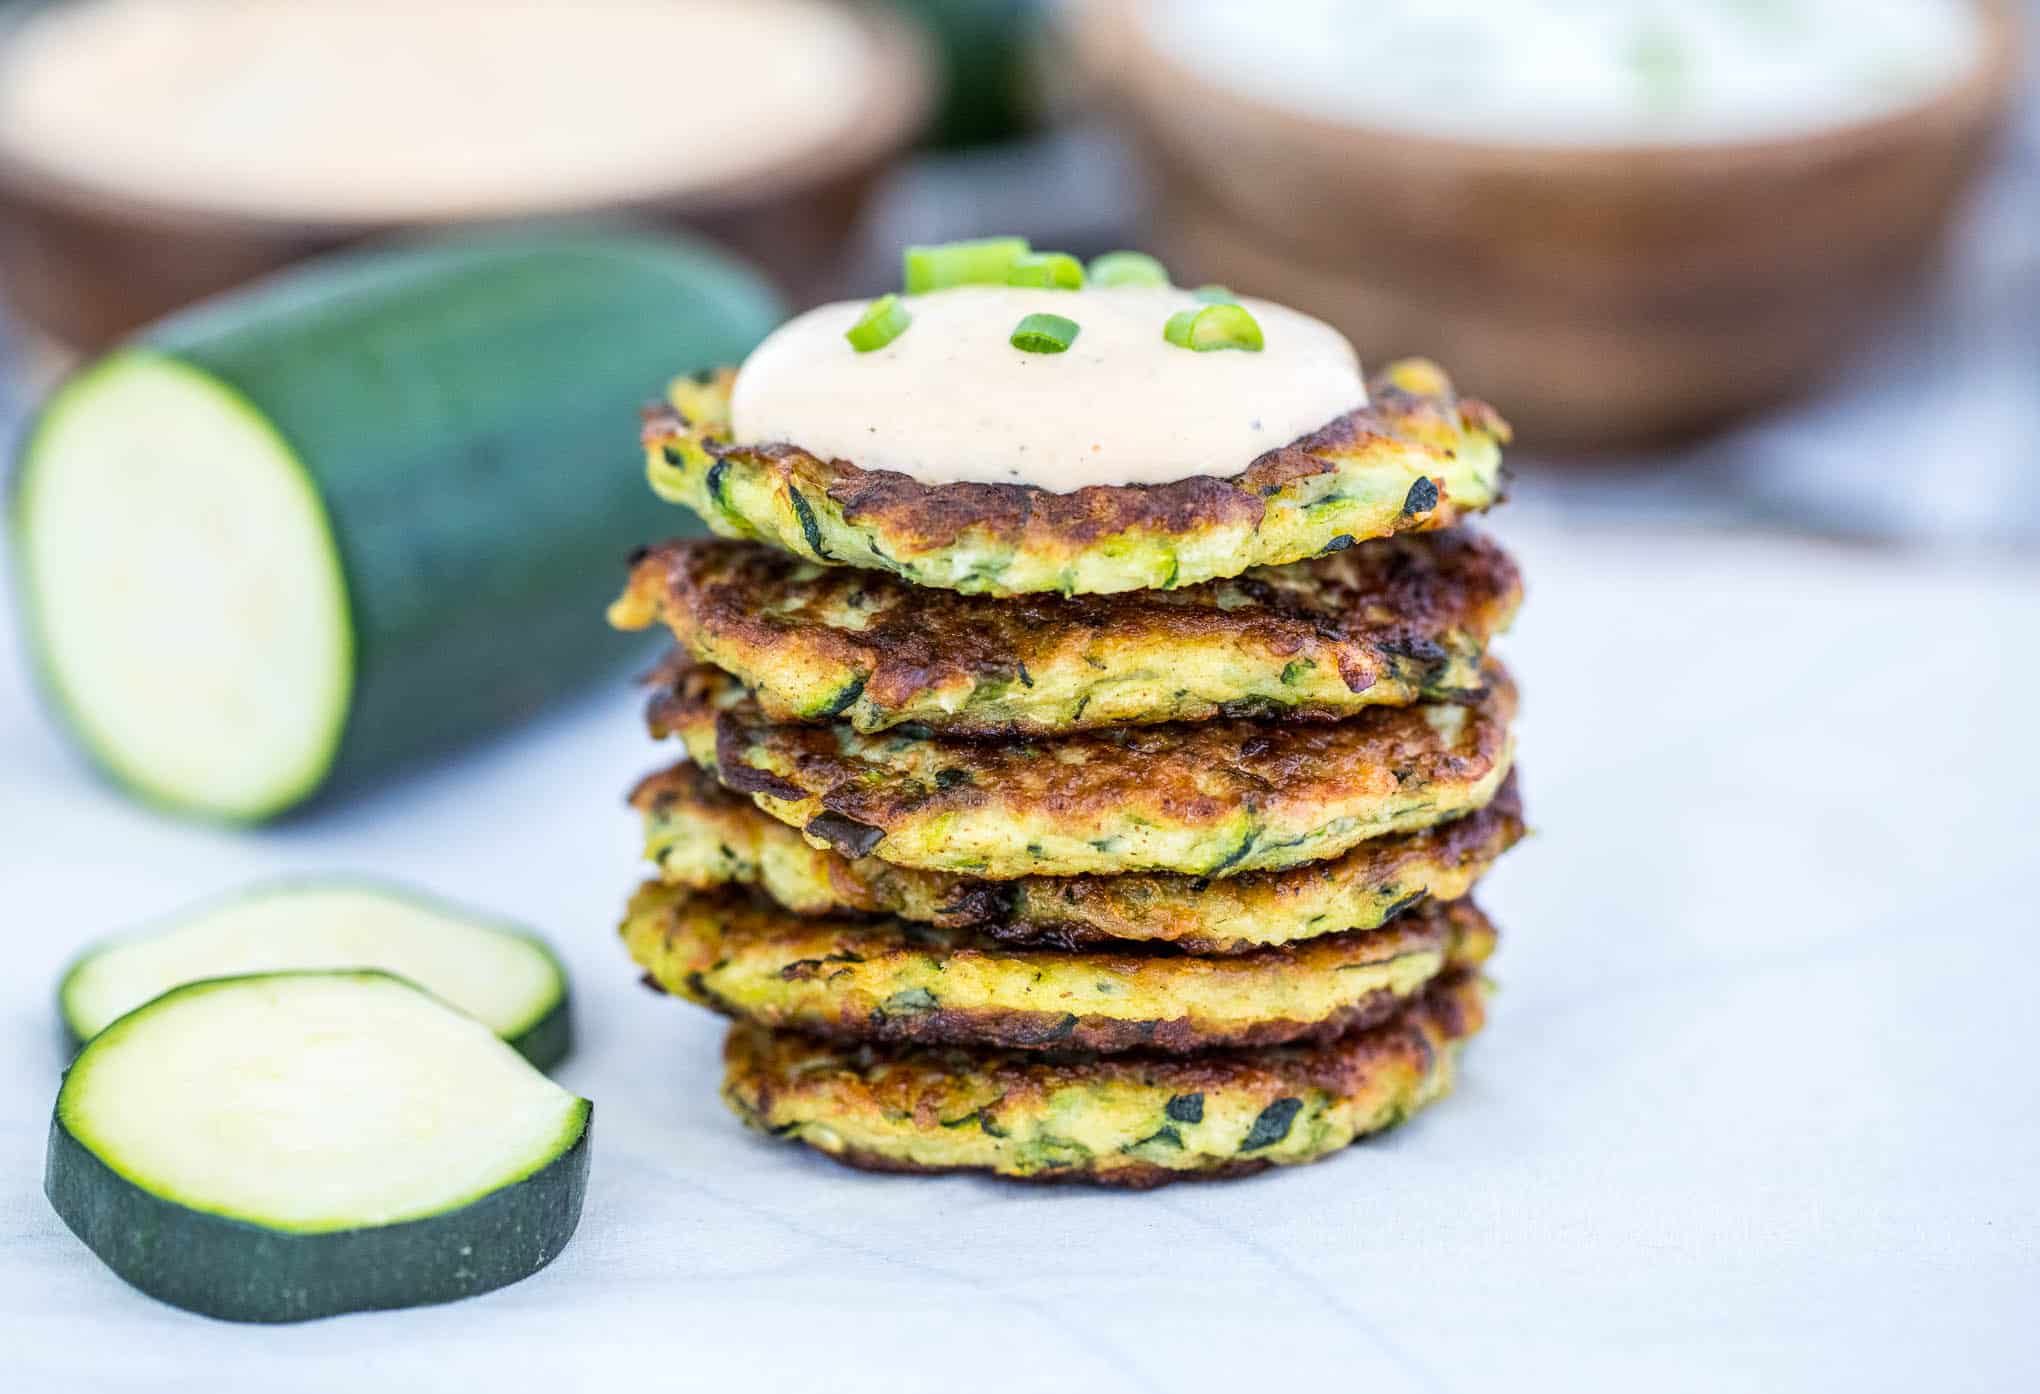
<point>1387,622</point>
<point>1214,799</point>
<point>1416,458</point>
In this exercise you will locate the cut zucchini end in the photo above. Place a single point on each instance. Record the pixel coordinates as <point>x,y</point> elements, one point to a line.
<point>286,1146</point>
<point>505,977</point>
<point>183,590</point>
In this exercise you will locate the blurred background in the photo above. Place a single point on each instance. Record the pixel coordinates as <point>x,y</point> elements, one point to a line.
<point>1758,282</point>
<point>1725,263</point>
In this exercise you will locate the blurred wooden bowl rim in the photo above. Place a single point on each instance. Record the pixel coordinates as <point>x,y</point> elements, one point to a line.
<point>1618,246</point>
<point>84,265</point>
<point>1563,381</point>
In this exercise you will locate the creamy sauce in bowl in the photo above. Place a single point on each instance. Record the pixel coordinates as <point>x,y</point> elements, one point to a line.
<point>1579,72</point>
<point>952,400</point>
<point>401,110</point>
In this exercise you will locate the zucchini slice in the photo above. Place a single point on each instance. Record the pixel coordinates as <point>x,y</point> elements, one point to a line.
<point>296,1145</point>
<point>505,978</point>
<point>357,513</point>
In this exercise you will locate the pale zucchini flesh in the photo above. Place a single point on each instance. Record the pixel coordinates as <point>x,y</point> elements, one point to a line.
<point>212,676</point>
<point>506,978</point>
<point>287,1146</point>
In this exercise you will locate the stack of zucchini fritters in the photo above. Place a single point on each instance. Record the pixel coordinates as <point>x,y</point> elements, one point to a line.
<point>1081,836</point>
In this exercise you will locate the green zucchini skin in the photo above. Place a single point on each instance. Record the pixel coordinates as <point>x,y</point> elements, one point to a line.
<point>236,1271</point>
<point>455,406</point>
<point>550,1039</point>
<point>984,50</point>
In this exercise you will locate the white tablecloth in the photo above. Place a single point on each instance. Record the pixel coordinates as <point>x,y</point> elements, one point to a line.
<point>1757,1109</point>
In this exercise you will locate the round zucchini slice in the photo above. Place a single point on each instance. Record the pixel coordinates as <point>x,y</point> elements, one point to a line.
<point>288,1146</point>
<point>505,978</point>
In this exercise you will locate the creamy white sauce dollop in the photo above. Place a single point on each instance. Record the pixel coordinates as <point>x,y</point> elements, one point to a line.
<point>1578,72</point>
<point>423,109</point>
<point>951,399</point>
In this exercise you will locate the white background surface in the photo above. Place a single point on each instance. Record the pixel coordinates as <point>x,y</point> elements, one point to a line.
<point>1757,1108</point>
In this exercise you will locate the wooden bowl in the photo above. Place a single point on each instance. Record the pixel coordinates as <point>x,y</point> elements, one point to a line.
<point>83,267</point>
<point>1600,296</point>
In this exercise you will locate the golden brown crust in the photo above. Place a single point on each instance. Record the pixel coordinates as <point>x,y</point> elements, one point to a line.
<point>1202,916</point>
<point>925,516</point>
<point>1212,799</point>
<point>1124,1120</point>
<point>702,835</point>
<point>1416,458</point>
<point>891,980</point>
<point>1129,1176</point>
<point>1383,623</point>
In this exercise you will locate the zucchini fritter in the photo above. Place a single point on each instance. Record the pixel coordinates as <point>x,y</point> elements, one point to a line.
<point>700,835</point>
<point>1126,1120</point>
<point>1384,623</point>
<point>1214,799</point>
<point>1416,458</point>
<point>893,980</point>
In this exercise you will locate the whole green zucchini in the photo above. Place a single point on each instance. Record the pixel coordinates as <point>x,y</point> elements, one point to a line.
<point>359,512</point>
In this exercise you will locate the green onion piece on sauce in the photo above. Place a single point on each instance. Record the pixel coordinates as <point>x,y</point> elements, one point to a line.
<point>1214,295</point>
<point>1128,269</point>
<point>1044,334</point>
<point>1048,271</point>
<point>984,261</point>
<point>883,320</point>
<point>1214,327</point>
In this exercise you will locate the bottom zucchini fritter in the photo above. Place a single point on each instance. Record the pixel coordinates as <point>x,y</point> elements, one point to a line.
<point>1115,1120</point>
<point>892,980</point>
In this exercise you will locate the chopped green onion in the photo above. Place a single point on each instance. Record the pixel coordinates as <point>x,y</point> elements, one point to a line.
<point>883,320</point>
<point>1214,295</point>
<point>982,262</point>
<point>1128,269</point>
<point>1044,334</point>
<point>1048,270</point>
<point>1214,327</point>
